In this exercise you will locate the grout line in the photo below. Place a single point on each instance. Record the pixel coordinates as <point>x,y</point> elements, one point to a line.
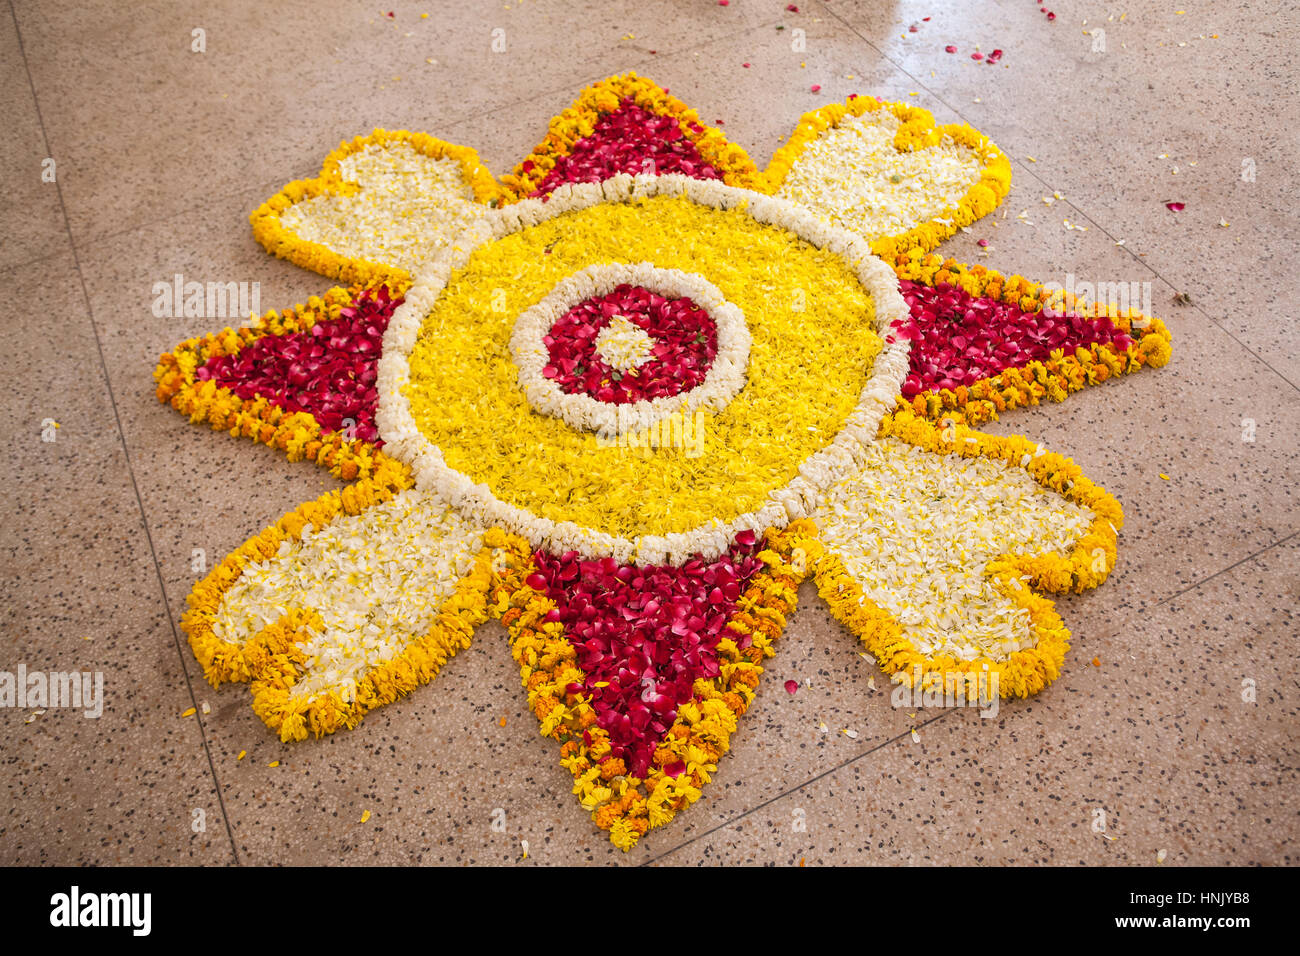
<point>108,384</point>
<point>795,789</point>
<point>46,256</point>
<point>1100,228</point>
<point>265,190</point>
<point>1236,564</point>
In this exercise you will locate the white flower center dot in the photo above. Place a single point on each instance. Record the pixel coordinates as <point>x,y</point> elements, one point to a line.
<point>623,345</point>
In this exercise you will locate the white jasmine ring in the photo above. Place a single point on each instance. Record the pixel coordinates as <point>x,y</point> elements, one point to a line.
<point>724,379</point>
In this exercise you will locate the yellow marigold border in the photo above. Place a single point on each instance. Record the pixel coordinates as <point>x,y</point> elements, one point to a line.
<point>271,658</point>
<point>579,120</point>
<point>626,806</point>
<point>918,131</point>
<point>1088,564</point>
<point>277,239</point>
<point>1055,379</point>
<point>297,434</point>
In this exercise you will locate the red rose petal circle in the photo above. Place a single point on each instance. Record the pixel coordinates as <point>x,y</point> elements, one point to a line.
<point>685,344</point>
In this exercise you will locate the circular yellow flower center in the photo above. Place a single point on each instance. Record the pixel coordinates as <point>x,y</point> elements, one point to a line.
<point>813,347</point>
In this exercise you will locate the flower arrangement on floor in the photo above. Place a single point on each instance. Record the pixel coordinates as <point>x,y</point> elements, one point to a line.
<point>625,400</point>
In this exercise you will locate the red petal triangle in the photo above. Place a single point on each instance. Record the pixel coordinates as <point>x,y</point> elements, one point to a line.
<point>958,339</point>
<point>643,635</point>
<point>328,370</point>
<point>631,139</point>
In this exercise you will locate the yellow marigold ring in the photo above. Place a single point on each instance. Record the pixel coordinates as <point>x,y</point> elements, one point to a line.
<point>821,375</point>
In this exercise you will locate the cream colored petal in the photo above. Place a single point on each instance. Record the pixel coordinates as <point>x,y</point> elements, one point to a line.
<point>917,531</point>
<point>408,208</point>
<point>376,579</point>
<point>853,177</point>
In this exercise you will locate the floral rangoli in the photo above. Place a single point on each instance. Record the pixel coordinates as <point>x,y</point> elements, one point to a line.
<point>624,400</point>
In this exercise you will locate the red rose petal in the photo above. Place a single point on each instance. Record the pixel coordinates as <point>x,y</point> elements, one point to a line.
<point>791,686</point>
<point>958,339</point>
<point>328,371</point>
<point>950,49</point>
<point>630,139</point>
<point>646,634</point>
<point>1176,206</point>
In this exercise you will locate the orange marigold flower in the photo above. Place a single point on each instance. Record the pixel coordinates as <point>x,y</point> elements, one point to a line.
<point>606,815</point>
<point>612,767</point>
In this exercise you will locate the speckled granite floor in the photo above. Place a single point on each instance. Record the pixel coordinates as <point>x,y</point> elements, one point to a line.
<point>161,153</point>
